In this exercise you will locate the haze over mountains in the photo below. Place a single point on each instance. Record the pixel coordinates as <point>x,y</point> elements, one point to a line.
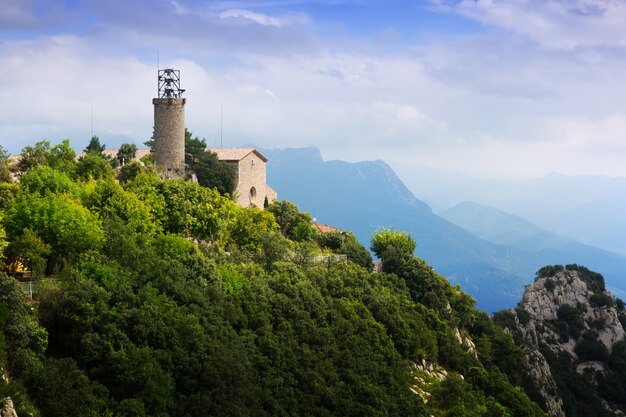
<point>588,208</point>
<point>492,265</point>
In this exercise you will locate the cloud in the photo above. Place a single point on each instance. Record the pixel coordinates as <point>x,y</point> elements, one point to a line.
<point>252,17</point>
<point>498,99</point>
<point>558,24</point>
<point>179,8</point>
<point>52,84</point>
<point>16,13</point>
<point>604,134</point>
<point>271,94</point>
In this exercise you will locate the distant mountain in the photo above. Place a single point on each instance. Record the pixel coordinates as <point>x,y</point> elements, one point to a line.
<point>588,208</point>
<point>541,246</point>
<point>492,224</point>
<point>364,196</point>
<point>492,265</point>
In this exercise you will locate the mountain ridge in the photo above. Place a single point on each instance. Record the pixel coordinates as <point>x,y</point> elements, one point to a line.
<point>364,196</point>
<point>571,330</point>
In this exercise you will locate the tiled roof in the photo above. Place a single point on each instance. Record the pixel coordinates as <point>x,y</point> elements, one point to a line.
<point>235,154</point>
<point>325,228</point>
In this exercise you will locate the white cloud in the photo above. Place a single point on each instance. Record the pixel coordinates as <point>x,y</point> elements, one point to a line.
<point>179,8</point>
<point>252,17</point>
<point>15,13</point>
<point>488,101</point>
<point>561,24</point>
<point>601,135</point>
<point>271,94</point>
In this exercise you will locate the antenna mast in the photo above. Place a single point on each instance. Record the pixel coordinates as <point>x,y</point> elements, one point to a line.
<point>222,127</point>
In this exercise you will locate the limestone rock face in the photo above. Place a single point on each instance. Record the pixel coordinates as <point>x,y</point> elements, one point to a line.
<point>542,302</point>
<point>6,408</point>
<point>540,372</point>
<point>540,322</point>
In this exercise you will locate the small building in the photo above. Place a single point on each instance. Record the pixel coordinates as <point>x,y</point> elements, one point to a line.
<point>250,166</point>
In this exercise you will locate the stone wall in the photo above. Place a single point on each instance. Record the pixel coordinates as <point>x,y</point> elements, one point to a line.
<point>251,182</point>
<point>169,133</point>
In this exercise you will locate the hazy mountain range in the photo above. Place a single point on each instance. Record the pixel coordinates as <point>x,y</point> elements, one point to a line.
<point>491,253</point>
<point>588,208</point>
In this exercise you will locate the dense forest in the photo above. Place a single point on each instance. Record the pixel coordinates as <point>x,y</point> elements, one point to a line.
<point>159,298</point>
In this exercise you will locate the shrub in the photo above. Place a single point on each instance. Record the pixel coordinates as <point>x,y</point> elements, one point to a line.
<point>549,284</point>
<point>385,238</point>
<point>601,299</point>
<point>548,271</point>
<point>523,316</point>
<point>572,317</point>
<point>594,280</point>
<point>591,349</point>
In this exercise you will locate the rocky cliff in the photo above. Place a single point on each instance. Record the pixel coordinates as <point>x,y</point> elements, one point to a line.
<point>6,408</point>
<point>573,337</point>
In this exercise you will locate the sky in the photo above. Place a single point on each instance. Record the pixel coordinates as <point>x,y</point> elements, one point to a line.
<point>494,88</point>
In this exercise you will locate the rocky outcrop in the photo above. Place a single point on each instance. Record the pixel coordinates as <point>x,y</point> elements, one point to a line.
<point>543,300</point>
<point>6,408</point>
<point>424,374</point>
<point>564,314</point>
<point>539,371</point>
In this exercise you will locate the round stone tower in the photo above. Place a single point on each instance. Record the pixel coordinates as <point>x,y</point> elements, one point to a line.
<point>169,123</point>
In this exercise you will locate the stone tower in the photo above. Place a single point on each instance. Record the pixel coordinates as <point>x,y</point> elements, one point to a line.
<point>169,123</point>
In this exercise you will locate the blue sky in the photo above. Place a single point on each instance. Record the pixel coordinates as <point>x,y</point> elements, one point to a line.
<point>509,88</point>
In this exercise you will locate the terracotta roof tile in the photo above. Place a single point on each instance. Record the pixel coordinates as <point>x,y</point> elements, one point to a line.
<point>325,228</point>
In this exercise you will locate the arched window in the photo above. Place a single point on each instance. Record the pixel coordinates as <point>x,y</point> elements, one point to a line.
<point>252,194</point>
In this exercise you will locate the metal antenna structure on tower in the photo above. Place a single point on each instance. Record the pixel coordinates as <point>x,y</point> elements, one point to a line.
<point>169,83</point>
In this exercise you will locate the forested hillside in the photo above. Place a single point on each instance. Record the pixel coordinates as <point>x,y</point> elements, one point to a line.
<point>159,298</point>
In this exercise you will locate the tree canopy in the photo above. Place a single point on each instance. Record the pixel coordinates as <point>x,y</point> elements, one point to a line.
<point>164,298</point>
<point>209,170</point>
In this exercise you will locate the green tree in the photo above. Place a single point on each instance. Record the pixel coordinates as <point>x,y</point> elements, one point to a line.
<point>294,224</point>
<point>193,210</point>
<point>249,226</point>
<point>8,194</point>
<point>385,238</point>
<point>43,180</point>
<point>357,253</point>
<point>209,170</point>
<point>32,251</point>
<point>61,157</point>
<point>33,156</point>
<point>107,198</point>
<point>125,154</point>
<point>93,166</point>
<point>5,169</point>
<point>67,391</point>
<point>60,221</point>
<point>129,172</point>
<point>3,239</point>
<point>95,147</point>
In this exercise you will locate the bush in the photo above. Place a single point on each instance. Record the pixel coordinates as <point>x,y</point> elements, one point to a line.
<point>591,349</point>
<point>601,299</point>
<point>330,240</point>
<point>357,253</point>
<point>594,280</point>
<point>384,239</point>
<point>572,318</point>
<point>523,316</point>
<point>548,271</point>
